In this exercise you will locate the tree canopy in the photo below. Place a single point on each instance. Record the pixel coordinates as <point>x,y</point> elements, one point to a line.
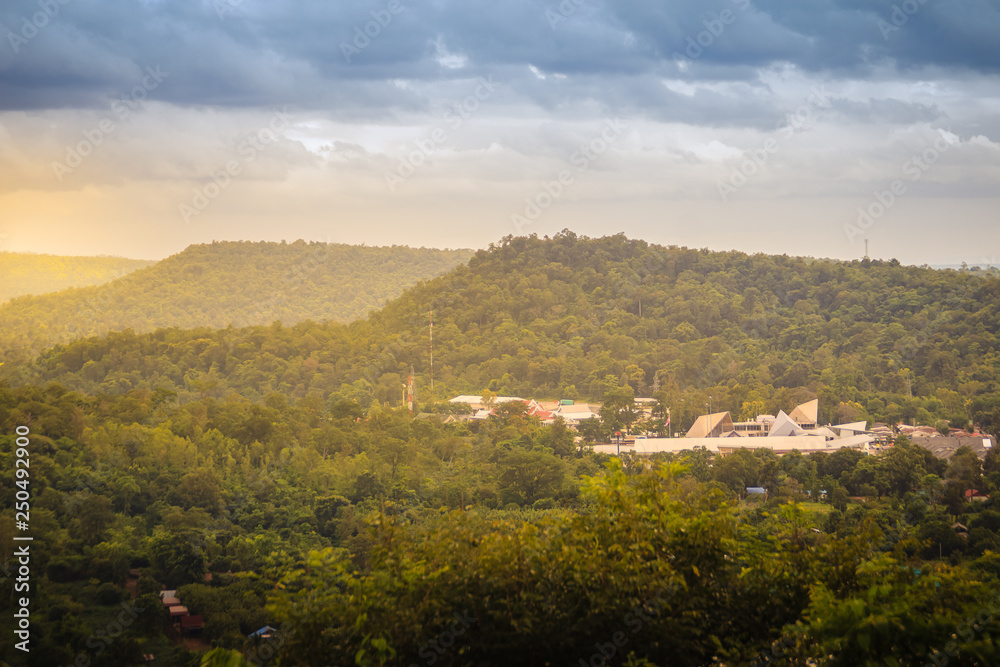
<point>560,318</point>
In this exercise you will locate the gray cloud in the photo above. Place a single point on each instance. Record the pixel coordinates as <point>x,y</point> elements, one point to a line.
<point>702,86</point>
<point>267,53</point>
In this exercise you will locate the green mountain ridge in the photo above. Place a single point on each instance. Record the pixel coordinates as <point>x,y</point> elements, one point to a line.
<point>573,317</point>
<point>23,274</point>
<point>227,283</point>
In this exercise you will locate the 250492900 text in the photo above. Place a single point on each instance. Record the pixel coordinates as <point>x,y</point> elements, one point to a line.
<point>22,554</point>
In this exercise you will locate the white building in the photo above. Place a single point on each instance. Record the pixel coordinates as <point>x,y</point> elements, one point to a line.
<point>576,413</point>
<point>718,433</point>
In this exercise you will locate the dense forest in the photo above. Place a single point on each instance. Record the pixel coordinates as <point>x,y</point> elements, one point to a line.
<point>270,476</point>
<point>222,284</point>
<point>573,317</point>
<point>26,273</point>
<point>370,537</point>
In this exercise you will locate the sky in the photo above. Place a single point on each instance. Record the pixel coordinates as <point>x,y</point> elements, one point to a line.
<point>139,127</point>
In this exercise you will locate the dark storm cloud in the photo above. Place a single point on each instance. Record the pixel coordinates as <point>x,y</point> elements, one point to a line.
<point>611,53</point>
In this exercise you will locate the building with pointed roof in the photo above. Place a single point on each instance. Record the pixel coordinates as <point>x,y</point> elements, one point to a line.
<point>784,426</point>
<point>575,413</point>
<point>807,414</point>
<point>783,433</point>
<point>711,426</point>
<point>850,429</point>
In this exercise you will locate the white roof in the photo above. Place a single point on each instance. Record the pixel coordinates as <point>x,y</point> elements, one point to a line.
<point>808,412</point>
<point>803,443</point>
<point>578,408</point>
<point>705,424</point>
<point>476,400</point>
<point>857,427</point>
<point>784,426</point>
<point>854,441</point>
<point>465,398</point>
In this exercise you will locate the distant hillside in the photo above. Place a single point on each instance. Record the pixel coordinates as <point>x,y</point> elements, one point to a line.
<point>984,267</point>
<point>220,284</point>
<point>26,273</point>
<point>572,317</point>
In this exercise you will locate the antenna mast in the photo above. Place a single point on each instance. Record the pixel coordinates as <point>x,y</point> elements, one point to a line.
<point>409,390</point>
<point>430,316</point>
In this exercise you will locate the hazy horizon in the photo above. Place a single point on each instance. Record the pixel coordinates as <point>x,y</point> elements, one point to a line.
<point>945,264</point>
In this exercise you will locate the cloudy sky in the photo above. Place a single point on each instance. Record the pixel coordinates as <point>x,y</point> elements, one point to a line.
<point>138,127</point>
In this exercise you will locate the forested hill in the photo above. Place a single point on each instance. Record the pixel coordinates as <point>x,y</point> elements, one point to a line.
<point>218,284</point>
<point>573,317</point>
<point>27,273</point>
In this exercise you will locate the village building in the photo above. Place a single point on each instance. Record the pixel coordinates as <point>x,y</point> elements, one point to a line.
<point>576,413</point>
<point>783,433</point>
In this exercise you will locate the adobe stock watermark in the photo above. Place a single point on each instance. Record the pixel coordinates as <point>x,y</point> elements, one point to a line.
<point>31,27</point>
<point>248,149</point>
<point>100,640</point>
<point>562,12</point>
<point>121,109</point>
<point>263,651</point>
<point>984,264</point>
<point>223,7</point>
<point>900,16</point>
<point>454,117</point>
<point>754,161</point>
<point>363,35</point>
<point>432,651</point>
<point>635,620</point>
<point>967,631</point>
<point>582,159</point>
<point>714,28</point>
<point>291,280</point>
<point>883,200</point>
